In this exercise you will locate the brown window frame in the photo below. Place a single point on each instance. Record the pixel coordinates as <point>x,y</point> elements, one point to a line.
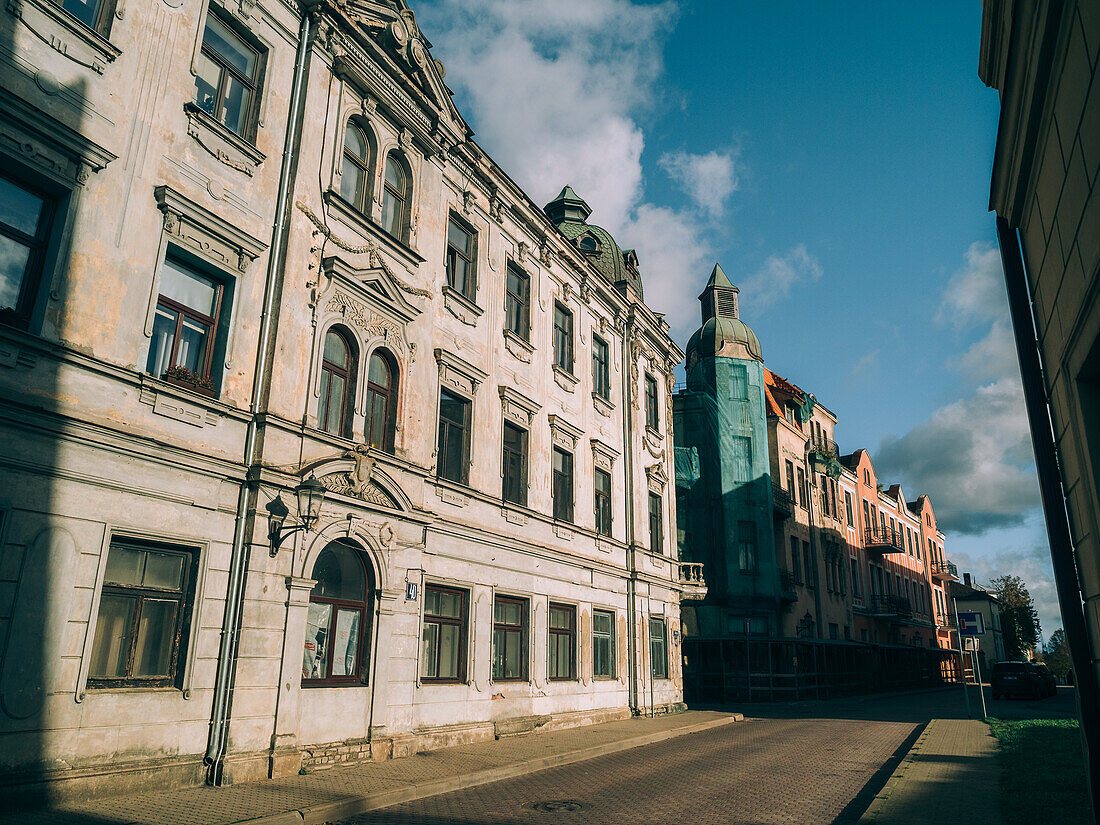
<point>38,249</point>
<point>517,307</point>
<point>567,632</point>
<point>184,596</point>
<point>402,198</point>
<point>522,629</point>
<point>365,607</point>
<point>652,410</point>
<point>660,642</point>
<point>374,390</point>
<point>520,455</point>
<point>211,322</point>
<point>254,84</point>
<point>446,428</point>
<point>563,338</point>
<point>362,167</point>
<point>601,503</point>
<point>601,368</point>
<point>562,483</point>
<point>101,23</point>
<point>348,373</point>
<point>610,636</point>
<point>656,523</point>
<point>452,253</point>
<point>462,622</point>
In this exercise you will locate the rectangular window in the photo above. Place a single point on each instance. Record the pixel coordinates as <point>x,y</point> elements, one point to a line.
<point>444,643</point>
<point>803,493</point>
<point>514,460</point>
<point>509,639</point>
<point>739,383</point>
<point>563,338</point>
<point>856,592</point>
<point>656,524</point>
<point>868,522</point>
<point>746,546</point>
<point>602,487</point>
<point>461,257</point>
<point>658,648</point>
<point>26,216</point>
<point>811,568</point>
<point>790,481</point>
<point>825,495</point>
<point>144,611</point>
<point>95,14</point>
<point>848,509</point>
<point>517,303</point>
<point>652,420</point>
<point>796,560</point>
<point>603,644</point>
<point>562,643</point>
<point>562,485</point>
<point>227,84</point>
<point>601,368</point>
<point>741,457</point>
<point>454,437</point>
<point>185,325</point>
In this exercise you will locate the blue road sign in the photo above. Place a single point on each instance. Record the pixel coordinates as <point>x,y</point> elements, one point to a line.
<point>971,624</point>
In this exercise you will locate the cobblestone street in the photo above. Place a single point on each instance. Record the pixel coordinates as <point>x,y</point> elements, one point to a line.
<point>811,762</point>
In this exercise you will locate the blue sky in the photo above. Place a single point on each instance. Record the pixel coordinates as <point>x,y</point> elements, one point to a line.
<point>835,158</point>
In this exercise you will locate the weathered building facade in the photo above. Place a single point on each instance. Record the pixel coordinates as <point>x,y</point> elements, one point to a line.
<point>326,441</point>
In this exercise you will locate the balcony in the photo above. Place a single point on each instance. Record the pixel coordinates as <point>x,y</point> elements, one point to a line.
<point>692,584</point>
<point>782,501</point>
<point>945,571</point>
<point>824,446</point>
<point>884,541</point>
<point>945,621</point>
<point>787,593</point>
<point>891,607</point>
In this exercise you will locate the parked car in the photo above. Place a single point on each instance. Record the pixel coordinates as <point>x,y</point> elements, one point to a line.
<point>1017,679</point>
<point>1049,682</point>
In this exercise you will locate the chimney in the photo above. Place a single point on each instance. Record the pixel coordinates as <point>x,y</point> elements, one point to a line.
<point>966,579</point>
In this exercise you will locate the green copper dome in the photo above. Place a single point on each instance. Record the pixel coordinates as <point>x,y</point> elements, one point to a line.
<point>722,329</point>
<point>569,214</point>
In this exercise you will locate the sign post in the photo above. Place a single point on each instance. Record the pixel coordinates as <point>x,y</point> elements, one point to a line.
<point>972,625</point>
<point>962,662</point>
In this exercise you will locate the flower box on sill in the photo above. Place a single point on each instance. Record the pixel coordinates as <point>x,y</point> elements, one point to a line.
<point>181,377</point>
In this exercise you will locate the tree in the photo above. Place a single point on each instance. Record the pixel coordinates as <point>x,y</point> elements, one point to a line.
<point>1019,621</point>
<point>1057,655</point>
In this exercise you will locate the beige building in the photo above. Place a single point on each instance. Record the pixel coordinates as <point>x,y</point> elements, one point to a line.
<point>326,442</point>
<point>1042,57</point>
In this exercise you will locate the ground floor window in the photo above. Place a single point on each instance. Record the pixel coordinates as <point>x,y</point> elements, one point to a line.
<point>444,642</point>
<point>144,611</point>
<point>334,652</point>
<point>603,644</point>
<point>509,639</point>
<point>562,643</point>
<point>658,648</point>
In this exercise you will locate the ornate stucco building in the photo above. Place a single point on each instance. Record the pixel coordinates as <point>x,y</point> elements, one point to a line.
<point>326,442</point>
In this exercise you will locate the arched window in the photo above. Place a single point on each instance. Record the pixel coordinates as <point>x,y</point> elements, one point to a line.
<point>395,197</point>
<point>381,400</point>
<point>338,368</point>
<point>355,171</point>
<point>336,640</point>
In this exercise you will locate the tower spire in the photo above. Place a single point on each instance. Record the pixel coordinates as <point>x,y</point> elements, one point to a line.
<point>719,296</point>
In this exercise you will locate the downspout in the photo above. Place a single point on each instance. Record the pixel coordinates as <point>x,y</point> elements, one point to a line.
<point>813,545</point>
<point>253,446</point>
<point>631,561</point>
<point>1054,503</point>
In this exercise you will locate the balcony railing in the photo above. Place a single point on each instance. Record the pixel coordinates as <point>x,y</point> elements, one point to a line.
<point>692,581</point>
<point>945,571</point>
<point>893,606</point>
<point>885,541</point>
<point>823,445</point>
<point>782,500</point>
<point>786,586</point>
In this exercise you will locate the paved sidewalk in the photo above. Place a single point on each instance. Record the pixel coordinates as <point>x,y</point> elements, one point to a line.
<point>349,790</point>
<point>950,777</point>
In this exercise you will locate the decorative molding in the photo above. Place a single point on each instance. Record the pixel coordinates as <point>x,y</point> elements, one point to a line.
<point>369,247</point>
<point>603,455</point>
<point>64,34</point>
<point>451,496</point>
<point>461,307</point>
<point>564,434</point>
<point>517,407</point>
<point>656,476</point>
<point>38,139</point>
<point>458,373</point>
<point>221,143</point>
<point>203,232</point>
<point>517,347</point>
<point>566,380</point>
<point>602,405</point>
<point>340,484</point>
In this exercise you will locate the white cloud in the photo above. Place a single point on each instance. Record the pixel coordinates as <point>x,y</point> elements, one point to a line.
<point>1032,564</point>
<point>866,366</point>
<point>707,179</point>
<point>778,276</point>
<point>993,356</point>
<point>976,292</point>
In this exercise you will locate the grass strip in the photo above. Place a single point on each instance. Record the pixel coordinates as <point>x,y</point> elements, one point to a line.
<point>1042,771</point>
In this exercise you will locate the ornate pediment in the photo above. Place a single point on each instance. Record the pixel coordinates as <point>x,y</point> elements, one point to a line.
<point>356,475</point>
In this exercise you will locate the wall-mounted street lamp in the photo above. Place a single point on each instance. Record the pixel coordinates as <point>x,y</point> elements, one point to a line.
<point>310,494</point>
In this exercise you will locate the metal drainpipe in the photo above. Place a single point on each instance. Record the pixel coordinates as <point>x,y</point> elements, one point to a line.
<point>234,602</point>
<point>1054,504</point>
<point>631,562</point>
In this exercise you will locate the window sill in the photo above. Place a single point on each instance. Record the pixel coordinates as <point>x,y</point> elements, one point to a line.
<point>452,492</point>
<point>518,347</point>
<point>461,307</point>
<point>653,433</point>
<point>369,228</point>
<point>221,143</point>
<point>314,685</point>
<point>566,380</point>
<point>92,49</point>
<point>602,405</point>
